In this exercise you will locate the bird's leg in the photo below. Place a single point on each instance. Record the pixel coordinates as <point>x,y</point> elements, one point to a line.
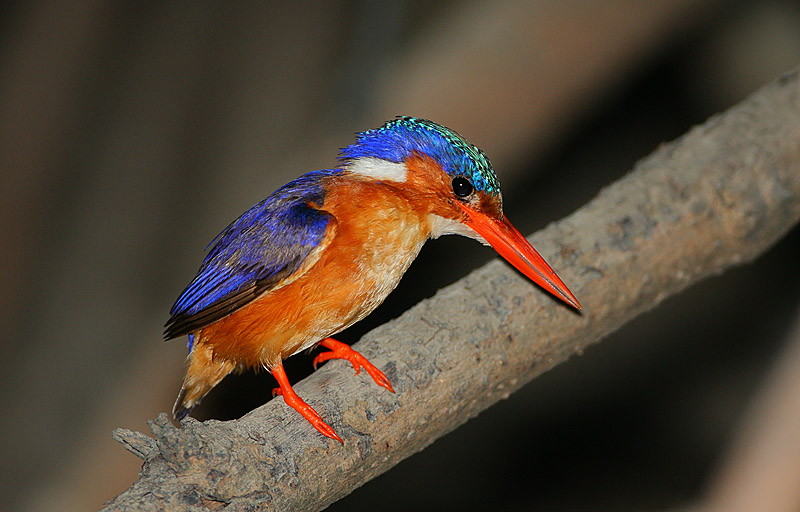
<point>297,403</point>
<point>340,350</point>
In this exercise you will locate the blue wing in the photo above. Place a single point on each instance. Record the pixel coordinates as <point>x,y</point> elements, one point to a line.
<point>268,243</point>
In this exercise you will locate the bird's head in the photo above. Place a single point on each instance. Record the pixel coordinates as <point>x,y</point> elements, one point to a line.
<point>453,182</point>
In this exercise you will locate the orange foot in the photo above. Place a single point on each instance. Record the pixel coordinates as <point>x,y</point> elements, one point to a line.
<point>297,403</point>
<point>340,350</point>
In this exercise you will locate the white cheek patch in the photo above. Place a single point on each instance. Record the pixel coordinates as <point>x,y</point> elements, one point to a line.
<point>378,169</point>
<point>442,226</point>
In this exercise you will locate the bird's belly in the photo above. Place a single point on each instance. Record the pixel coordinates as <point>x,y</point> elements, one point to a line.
<point>351,278</point>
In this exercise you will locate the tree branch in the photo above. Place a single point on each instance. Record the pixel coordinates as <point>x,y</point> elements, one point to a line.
<point>718,196</point>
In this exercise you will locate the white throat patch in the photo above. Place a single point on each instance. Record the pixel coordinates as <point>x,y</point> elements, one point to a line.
<point>378,169</point>
<point>441,226</point>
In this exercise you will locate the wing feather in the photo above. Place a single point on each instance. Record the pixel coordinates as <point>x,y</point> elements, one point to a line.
<point>257,252</point>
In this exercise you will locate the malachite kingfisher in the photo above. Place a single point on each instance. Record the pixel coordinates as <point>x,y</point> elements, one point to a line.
<point>324,250</point>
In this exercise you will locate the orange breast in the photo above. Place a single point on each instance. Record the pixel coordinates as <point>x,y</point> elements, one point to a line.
<point>377,235</point>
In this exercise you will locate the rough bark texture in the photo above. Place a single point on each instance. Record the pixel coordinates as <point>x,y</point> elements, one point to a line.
<point>717,197</point>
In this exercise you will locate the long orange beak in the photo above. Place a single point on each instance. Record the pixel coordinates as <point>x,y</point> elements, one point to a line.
<point>515,248</point>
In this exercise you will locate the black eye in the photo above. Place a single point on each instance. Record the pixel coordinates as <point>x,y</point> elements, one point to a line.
<point>461,186</point>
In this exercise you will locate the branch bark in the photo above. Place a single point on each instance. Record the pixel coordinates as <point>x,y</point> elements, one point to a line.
<point>719,196</point>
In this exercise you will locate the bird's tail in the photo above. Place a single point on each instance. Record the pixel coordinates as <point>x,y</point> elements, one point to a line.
<point>203,373</point>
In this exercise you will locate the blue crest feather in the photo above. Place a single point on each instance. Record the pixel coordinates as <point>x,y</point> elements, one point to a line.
<point>405,136</point>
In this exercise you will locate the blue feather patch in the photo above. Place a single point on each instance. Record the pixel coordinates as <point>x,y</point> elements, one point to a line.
<point>266,244</point>
<point>405,136</point>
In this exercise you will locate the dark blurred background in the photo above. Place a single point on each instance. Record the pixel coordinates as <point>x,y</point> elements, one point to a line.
<point>132,132</point>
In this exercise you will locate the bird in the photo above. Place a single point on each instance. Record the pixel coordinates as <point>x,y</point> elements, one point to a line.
<point>324,250</point>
